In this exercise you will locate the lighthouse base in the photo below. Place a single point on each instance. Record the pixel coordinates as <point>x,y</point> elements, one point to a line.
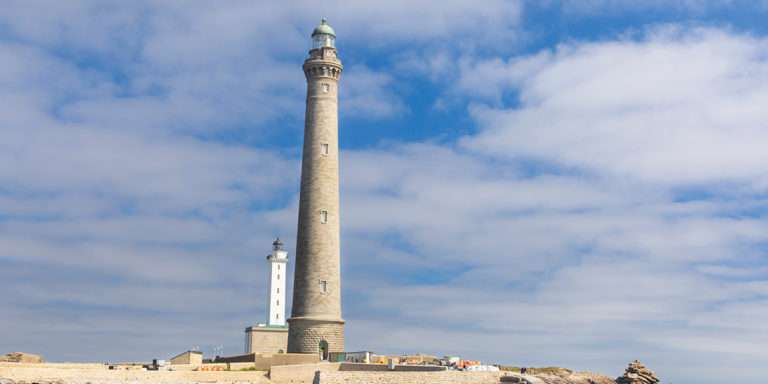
<point>312,335</point>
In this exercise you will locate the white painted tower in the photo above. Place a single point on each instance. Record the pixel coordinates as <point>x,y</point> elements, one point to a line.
<point>272,335</point>
<point>277,262</point>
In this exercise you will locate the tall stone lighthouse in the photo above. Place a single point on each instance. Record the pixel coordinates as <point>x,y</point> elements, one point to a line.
<point>316,325</point>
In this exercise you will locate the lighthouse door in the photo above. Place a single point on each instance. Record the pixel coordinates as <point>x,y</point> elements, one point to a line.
<point>323,350</point>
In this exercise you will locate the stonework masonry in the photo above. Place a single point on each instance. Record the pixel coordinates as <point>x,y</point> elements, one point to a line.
<point>309,333</point>
<point>331,373</point>
<point>316,321</point>
<point>188,357</point>
<point>88,374</point>
<point>318,373</point>
<point>266,339</point>
<point>409,377</point>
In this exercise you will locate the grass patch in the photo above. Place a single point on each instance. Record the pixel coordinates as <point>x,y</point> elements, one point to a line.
<point>253,369</point>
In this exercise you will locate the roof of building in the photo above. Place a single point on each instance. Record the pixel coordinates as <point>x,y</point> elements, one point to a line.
<point>323,29</point>
<point>187,352</point>
<point>267,328</point>
<point>277,244</point>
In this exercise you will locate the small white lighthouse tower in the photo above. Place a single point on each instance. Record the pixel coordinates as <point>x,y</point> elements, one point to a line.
<point>277,262</point>
<point>272,336</point>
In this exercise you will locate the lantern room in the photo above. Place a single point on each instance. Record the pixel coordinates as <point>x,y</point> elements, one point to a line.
<point>323,36</point>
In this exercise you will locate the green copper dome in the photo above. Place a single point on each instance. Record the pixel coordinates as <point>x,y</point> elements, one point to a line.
<point>324,29</point>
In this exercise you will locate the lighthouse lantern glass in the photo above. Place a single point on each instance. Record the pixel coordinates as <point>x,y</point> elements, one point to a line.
<point>323,40</point>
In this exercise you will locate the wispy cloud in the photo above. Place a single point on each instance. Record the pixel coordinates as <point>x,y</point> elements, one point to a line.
<point>677,107</point>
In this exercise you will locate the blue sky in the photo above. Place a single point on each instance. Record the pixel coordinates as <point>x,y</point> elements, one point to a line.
<point>573,183</point>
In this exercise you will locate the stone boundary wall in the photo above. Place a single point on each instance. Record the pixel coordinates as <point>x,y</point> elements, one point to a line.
<point>346,373</point>
<point>384,368</point>
<point>246,358</point>
<point>301,373</point>
<point>266,361</point>
<point>71,375</point>
<point>55,365</point>
<point>446,377</point>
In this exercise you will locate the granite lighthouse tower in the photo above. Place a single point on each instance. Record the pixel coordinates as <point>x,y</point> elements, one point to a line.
<point>316,325</point>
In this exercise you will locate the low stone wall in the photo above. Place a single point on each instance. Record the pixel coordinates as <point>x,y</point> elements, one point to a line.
<point>446,377</point>
<point>382,368</point>
<point>74,375</point>
<point>268,360</point>
<point>300,374</point>
<point>246,358</point>
<point>55,365</point>
<point>264,361</point>
<point>346,373</point>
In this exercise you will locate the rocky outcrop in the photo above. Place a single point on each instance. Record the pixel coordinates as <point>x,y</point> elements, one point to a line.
<point>21,357</point>
<point>569,378</point>
<point>637,373</point>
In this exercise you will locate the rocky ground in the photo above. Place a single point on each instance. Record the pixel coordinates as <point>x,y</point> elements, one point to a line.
<point>21,373</point>
<point>573,378</point>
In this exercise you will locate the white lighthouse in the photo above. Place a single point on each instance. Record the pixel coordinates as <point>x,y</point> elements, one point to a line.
<point>277,262</point>
<point>272,335</point>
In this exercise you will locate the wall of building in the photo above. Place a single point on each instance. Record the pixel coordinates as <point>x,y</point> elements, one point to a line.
<point>266,340</point>
<point>189,357</point>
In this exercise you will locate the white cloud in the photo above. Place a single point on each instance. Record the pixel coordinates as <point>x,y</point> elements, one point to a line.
<point>693,7</point>
<point>677,107</point>
<point>366,93</point>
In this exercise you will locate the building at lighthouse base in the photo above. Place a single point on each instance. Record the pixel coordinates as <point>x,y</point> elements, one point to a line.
<point>266,339</point>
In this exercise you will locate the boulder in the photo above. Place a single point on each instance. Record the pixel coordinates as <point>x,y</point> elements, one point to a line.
<point>637,373</point>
